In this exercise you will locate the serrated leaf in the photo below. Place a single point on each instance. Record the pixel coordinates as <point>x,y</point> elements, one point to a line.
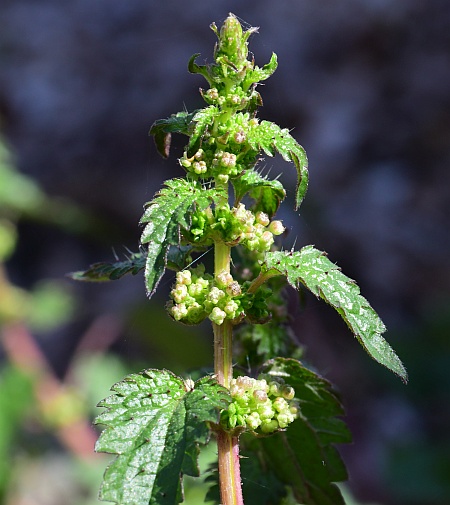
<point>303,457</point>
<point>268,194</point>
<point>106,271</point>
<point>271,139</point>
<point>201,120</point>
<point>163,217</point>
<point>261,74</point>
<point>163,128</point>
<point>155,423</point>
<point>311,268</point>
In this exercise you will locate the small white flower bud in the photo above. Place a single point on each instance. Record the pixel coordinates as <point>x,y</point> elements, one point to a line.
<point>266,239</point>
<point>217,316</point>
<point>280,404</point>
<point>276,227</point>
<point>253,420</point>
<point>184,277</point>
<point>179,293</point>
<point>199,154</point>
<point>179,311</point>
<point>260,396</point>
<point>212,94</point>
<point>234,289</point>
<point>215,295</point>
<point>262,218</point>
<point>224,279</point>
<point>239,137</point>
<point>223,178</point>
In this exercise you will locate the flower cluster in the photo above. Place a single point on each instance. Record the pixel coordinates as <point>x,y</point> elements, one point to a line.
<point>264,405</point>
<point>236,225</point>
<point>197,295</point>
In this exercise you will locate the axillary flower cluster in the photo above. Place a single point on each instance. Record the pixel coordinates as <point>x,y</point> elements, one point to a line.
<point>263,405</point>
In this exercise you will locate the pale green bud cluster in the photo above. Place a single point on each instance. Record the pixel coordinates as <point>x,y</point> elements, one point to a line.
<point>197,295</point>
<point>264,405</point>
<point>236,225</point>
<point>257,231</point>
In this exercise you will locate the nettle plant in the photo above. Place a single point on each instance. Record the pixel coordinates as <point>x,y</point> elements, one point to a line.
<point>285,419</point>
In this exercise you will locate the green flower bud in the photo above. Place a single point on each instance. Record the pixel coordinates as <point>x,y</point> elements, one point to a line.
<point>288,392</point>
<point>269,426</point>
<point>280,404</point>
<point>231,308</point>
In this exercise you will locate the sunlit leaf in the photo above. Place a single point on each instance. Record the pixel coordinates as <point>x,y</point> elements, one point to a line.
<point>311,268</point>
<point>272,139</point>
<point>154,424</point>
<point>163,217</point>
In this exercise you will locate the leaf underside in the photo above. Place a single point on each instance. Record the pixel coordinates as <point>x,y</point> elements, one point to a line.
<point>268,194</point>
<point>162,130</point>
<point>106,271</point>
<point>163,217</point>
<point>311,268</point>
<point>271,139</point>
<point>155,423</point>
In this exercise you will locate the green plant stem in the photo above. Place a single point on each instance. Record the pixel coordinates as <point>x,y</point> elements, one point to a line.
<point>227,445</point>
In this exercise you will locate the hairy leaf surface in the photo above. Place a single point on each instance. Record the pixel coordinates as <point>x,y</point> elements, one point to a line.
<point>155,423</point>
<point>163,217</point>
<point>271,139</point>
<point>303,457</point>
<point>106,271</point>
<point>261,74</point>
<point>268,194</point>
<point>324,279</point>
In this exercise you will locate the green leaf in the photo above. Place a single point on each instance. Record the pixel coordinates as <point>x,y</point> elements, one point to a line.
<point>164,215</point>
<point>199,69</point>
<point>261,74</point>
<point>155,423</point>
<point>105,271</point>
<point>267,193</point>
<point>324,279</point>
<point>262,341</point>
<point>201,120</point>
<point>162,130</point>
<point>271,139</point>
<point>303,457</point>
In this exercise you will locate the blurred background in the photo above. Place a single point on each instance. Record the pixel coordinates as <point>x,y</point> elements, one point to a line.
<point>364,85</point>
